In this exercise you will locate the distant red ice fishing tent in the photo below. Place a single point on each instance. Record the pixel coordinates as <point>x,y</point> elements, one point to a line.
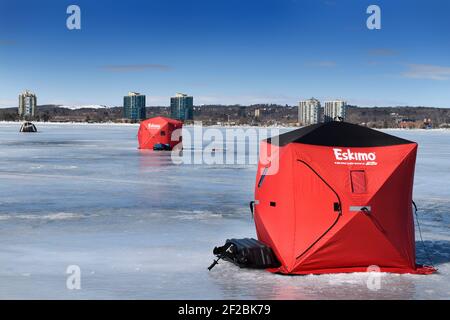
<point>337,197</point>
<point>159,133</point>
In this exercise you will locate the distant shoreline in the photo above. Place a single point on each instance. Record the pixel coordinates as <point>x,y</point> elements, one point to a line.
<point>259,115</point>
<point>191,125</point>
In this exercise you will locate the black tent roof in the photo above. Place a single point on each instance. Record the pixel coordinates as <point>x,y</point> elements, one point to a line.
<point>338,134</point>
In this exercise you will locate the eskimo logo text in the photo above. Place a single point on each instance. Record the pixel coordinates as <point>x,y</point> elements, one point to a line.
<point>367,158</point>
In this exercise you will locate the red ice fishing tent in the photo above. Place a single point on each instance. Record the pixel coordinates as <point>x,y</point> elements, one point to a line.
<point>337,197</point>
<point>159,132</point>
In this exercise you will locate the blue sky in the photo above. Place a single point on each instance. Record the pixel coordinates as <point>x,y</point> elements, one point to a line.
<point>226,51</point>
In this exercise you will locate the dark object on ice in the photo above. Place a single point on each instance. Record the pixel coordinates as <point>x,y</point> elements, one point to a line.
<point>161,147</point>
<point>246,253</point>
<point>28,127</point>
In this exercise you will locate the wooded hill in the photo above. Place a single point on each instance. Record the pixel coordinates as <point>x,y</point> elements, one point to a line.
<point>261,114</point>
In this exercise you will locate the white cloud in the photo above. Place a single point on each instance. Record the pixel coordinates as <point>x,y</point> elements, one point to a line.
<point>7,42</point>
<point>427,71</point>
<point>322,64</point>
<point>8,103</point>
<point>374,102</point>
<point>135,67</point>
<point>382,52</point>
<point>95,106</point>
<point>244,99</point>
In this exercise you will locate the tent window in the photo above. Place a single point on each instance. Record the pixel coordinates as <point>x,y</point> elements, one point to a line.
<point>163,133</point>
<point>358,179</point>
<point>263,175</point>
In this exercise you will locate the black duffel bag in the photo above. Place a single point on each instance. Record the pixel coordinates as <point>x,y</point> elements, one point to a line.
<point>246,253</point>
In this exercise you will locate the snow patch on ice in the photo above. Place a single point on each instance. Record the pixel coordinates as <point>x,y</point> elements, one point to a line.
<point>198,215</point>
<point>50,217</point>
<point>65,167</point>
<point>94,106</point>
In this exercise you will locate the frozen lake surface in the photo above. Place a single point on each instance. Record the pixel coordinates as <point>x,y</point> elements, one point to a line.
<point>141,227</point>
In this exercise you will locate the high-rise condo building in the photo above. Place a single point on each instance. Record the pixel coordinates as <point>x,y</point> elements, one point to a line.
<point>182,107</point>
<point>335,110</point>
<point>309,112</point>
<point>134,106</point>
<point>27,104</point>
